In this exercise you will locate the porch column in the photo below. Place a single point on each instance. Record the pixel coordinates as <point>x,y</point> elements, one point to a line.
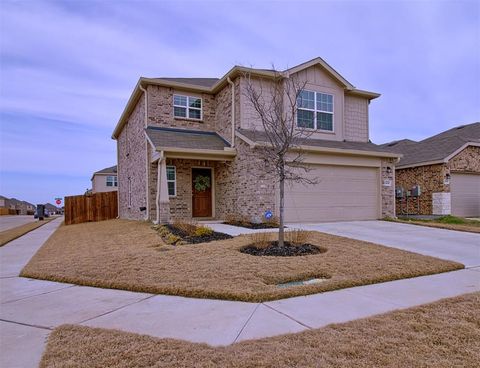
<point>162,200</point>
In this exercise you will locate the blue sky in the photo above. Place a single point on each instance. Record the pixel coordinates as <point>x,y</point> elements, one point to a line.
<point>68,68</point>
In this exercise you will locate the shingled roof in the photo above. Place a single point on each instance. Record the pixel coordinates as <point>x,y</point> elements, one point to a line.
<point>435,148</point>
<point>260,137</point>
<point>202,82</point>
<point>182,138</point>
<point>107,170</point>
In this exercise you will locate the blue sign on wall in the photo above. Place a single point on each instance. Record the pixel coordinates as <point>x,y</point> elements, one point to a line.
<point>268,214</point>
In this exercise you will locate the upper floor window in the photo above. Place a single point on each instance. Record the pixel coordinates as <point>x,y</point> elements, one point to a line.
<point>112,181</point>
<point>187,107</point>
<point>315,110</point>
<point>172,181</point>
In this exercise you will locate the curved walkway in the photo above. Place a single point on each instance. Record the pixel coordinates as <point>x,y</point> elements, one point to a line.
<point>30,309</point>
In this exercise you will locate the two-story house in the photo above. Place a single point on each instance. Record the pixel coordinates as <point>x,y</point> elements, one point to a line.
<point>105,180</point>
<point>188,148</point>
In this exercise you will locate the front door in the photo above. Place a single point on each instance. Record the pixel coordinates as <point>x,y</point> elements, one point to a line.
<point>202,182</point>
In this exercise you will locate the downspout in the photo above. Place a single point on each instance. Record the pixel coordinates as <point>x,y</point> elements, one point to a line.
<point>159,176</point>
<point>147,200</point>
<point>233,111</point>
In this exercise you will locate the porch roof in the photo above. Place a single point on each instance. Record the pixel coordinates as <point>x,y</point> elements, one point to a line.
<point>183,143</point>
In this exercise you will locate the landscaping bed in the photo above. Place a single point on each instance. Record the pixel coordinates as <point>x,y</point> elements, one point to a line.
<point>130,255</point>
<point>188,233</point>
<point>445,222</point>
<point>442,334</point>
<point>242,221</point>
<point>288,250</point>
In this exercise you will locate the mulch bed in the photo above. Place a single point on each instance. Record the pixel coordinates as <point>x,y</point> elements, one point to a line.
<point>197,239</point>
<point>253,225</point>
<point>288,250</point>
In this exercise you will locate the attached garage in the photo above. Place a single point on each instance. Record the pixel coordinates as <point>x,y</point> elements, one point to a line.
<point>341,193</point>
<point>465,194</point>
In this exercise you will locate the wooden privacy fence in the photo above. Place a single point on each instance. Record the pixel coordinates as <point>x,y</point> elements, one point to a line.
<point>91,207</point>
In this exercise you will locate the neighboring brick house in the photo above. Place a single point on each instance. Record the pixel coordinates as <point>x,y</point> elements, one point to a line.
<point>16,206</point>
<point>105,180</point>
<point>188,147</point>
<point>447,169</point>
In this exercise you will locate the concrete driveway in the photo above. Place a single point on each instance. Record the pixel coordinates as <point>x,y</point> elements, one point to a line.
<point>9,222</point>
<point>452,245</point>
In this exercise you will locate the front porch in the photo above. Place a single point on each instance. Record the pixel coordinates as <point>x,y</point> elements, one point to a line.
<point>188,189</point>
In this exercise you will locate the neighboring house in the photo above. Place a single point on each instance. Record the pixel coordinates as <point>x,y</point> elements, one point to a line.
<point>447,169</point>
<point>105,180</point>
<point>52,209</point>
<point>16,206</point>
<point>3,202</point>
<point>27,208</point>
<point>176,132</point>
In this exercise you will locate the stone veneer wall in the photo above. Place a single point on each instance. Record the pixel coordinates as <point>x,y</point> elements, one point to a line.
<point>468,160</point>
<point>388,187</point>
<point>356,119</point>
<point>431,180</point>
<point>131,148</point>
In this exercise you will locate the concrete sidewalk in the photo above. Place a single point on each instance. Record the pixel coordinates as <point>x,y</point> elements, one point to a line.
<point>30,309</point>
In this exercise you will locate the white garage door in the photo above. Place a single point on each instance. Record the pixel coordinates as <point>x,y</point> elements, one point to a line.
<point>465,192</point>
<point>341,193</point>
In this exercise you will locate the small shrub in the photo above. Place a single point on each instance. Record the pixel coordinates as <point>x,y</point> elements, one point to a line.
<point>239,220</point>
<point>272,222</point>
<point>298,237</point>
<point>172,239</point>
<point>261,239</point>
<point>163,231</point>
<point>188,227</point>
<point>203,231</point>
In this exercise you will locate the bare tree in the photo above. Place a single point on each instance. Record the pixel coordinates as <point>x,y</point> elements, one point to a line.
<point>275,102</point>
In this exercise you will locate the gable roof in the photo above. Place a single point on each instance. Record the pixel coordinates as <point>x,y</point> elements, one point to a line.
<point>436,149</point>
<point>367,148</point>
<point>162,138</point>
<point>214,85</point>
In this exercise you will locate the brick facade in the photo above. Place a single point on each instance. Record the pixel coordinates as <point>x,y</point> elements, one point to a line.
<point>132,156</point>
<point>241,186</point>
<point>387,171</point>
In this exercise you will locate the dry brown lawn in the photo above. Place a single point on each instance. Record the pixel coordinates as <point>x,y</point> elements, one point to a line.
<point>470,226</point>
<point>441,334</point>
<point>12,234</point>
<point>129,255</point>
<point>458,227</point>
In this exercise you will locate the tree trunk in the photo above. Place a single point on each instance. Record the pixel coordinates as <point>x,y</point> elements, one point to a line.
<point>281,233</point>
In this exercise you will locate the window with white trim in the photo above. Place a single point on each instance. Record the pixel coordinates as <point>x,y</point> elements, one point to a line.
<point>315,110</point>
<point>188,107</point>
<point>172,181</point>
<point>112,181</point>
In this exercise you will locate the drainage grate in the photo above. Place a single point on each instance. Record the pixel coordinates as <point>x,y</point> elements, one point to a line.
<point>300,283</point>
